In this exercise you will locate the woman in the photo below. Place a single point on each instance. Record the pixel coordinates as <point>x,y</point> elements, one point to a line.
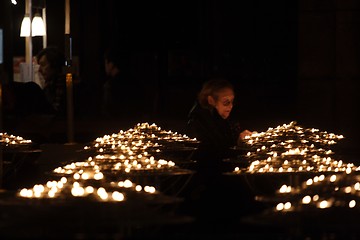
<point>51,62</point>
<point>209,119</point>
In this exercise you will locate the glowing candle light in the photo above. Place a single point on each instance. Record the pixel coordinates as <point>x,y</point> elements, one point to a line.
<point>347,189</point>
<point>23,192</point>
<point>306,200</point>
<point>333,178</point>
<point>76,176</point>
<point>37,194</point>
<point>51,194</point>
<point>316,179</point>
<point>280,207</point>
<point>39,188</point>
<point>89,189</point>
<point>283,189</point>
<point>287,205</point>
<point>102,193</point>
<point>98,176</point>
<point>324,204</point>
<point>352,204</point>
<point>117,196</point>
<point>149,189</point>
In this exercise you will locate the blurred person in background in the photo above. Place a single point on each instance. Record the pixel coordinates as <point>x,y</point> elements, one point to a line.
<point>32,107</point>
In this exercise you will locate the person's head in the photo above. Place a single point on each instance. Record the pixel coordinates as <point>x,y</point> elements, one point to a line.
<point>116,61</point>
<point>218,94</point>
<point>51,62</point>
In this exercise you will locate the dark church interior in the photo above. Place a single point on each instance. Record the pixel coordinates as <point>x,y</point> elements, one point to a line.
<point>295,68</point>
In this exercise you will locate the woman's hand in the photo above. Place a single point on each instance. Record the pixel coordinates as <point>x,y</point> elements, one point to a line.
<point>244,133</point>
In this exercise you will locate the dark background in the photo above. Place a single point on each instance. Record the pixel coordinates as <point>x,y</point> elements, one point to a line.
<point>289,60</point>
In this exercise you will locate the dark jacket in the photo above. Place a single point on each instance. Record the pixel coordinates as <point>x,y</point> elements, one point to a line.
<point>55,93</point>
<point>30,99</point>
<point>216,136</point>
<point>210,128</point>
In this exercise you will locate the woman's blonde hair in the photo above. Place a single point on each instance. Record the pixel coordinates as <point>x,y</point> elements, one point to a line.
<point>212,88</point>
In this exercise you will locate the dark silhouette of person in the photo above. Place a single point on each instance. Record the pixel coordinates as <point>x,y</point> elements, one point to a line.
<point>51,67</point>
<point>32,98</point>
<point>209,195</point>
<point>33,106</point>
<point>121,93</point>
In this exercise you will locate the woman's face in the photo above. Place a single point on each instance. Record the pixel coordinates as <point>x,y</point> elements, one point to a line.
<point>224,102</point>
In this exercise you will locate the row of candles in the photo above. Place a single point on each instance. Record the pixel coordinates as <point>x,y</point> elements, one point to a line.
<point>12,140</point>
<point>117,163</point>
<point>290,148</point>
<point>321,192</point>
<point>141,137</point>
<point>119,155</point>
<point>65,188</point>
<point>287,148</point>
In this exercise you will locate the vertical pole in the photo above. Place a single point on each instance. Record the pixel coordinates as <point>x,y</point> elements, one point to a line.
<point>28,41</point>
<point>44,19</point>
<point>67,16</point>
<point>69,82</point>
<point>1,109</point>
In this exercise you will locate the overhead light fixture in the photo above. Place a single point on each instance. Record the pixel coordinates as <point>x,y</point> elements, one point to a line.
<point>14,2</point>
<point>25,26</point>
<point>37,26</point>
